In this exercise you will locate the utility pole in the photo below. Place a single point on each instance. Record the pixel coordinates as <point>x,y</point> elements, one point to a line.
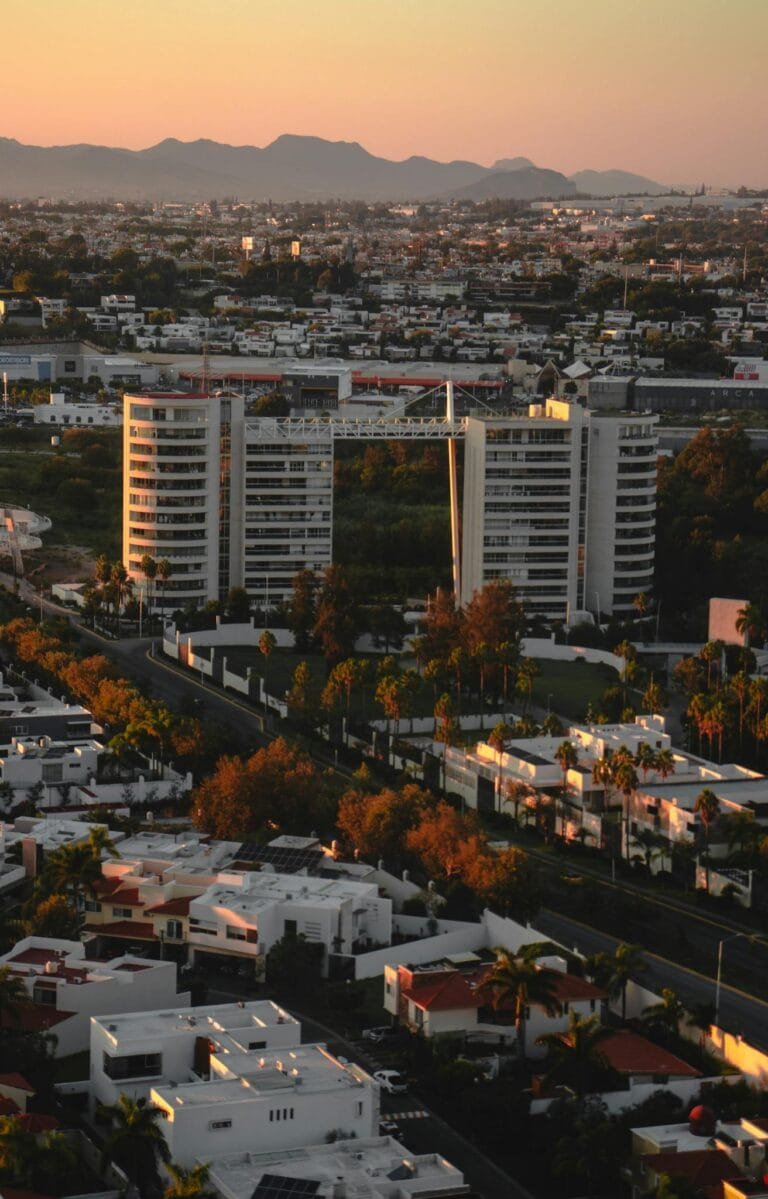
<point>453,488</point>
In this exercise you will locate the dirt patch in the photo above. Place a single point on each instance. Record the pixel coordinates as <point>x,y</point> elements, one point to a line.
<point>59,564</point>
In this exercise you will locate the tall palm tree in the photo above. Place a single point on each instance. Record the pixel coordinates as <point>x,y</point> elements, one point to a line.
<point>149,570</point>
<point>71,867</point>
<point>497,739</point>
<point>188,1182</point>
<point>574,1055</point>
<point>628,962</point>
<point>567,756</point>
<point>516,792</point>
<point>664,764</point>
<point>751,623</point>
<point>625,780</point>
<point>135,1142</point>
<point>99,842</point>
<point>707,808</point>
<point>14,997</point>
<point>516,981</point>
<point>164,572</point>
<point>666,1014</point>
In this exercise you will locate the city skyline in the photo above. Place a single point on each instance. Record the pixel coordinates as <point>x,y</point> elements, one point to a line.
<point>673,92</point>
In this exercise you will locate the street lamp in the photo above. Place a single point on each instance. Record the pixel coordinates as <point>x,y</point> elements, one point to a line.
<point>725,940</point>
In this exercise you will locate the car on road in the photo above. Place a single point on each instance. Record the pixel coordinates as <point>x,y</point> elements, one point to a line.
<point>389,1128</point>
<point>391,1081</point>
<point>381,1033</point>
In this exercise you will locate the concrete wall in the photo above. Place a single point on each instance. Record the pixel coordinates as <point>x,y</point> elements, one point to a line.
<point>542,647</point>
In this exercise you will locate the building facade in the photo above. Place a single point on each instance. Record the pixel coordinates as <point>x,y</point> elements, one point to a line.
<point>562,503</point>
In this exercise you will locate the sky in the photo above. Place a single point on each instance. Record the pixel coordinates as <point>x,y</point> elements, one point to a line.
<point>673,89</point>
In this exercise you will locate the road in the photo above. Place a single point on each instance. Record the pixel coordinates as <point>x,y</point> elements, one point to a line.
<point>739,1012</point>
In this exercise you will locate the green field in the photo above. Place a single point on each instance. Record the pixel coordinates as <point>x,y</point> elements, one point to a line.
<point>570,687</point>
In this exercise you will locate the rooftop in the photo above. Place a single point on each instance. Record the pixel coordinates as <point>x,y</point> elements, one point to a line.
<point>369,1166</point>
<point>214,1019</point>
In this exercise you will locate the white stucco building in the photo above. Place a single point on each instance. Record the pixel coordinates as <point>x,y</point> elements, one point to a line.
<point>561,502</point>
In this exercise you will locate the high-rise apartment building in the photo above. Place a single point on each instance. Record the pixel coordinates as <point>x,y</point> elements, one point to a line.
<point>562,502</point>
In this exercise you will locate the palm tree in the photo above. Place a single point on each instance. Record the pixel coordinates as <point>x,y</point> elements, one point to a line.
<point>70,867</point>
<point>526,674</point>
<point>120,580</point>
<point>645,758</point>
<point>628,962</point>
<point>497,739</point>
<point>164,572</point>
<point>625,780</point>
<point>515,793</point>
<point>149,570</point>
<point>99,842</point>
<point>567,756</point>
<point>517,982</point>
<point>664,764</point>
<point>701,1016</point>
<point>18,1149</point>
<point>575,1054</point>
<point>136,1141</point>
<point>667,1014</point>
<point>751,623</point>
<point>188,1182</point>
<point>14,997</point>
<point>707,808</point>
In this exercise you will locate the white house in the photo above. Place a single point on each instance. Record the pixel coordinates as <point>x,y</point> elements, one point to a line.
<point>256,1101</point>
<point>133,1052</point>
<point>66,989</point>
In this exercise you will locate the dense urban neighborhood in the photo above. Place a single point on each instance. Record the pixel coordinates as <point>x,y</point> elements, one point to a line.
<point>384,694</point>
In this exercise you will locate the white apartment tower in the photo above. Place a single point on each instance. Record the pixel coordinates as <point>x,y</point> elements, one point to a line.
<point>182,491</point>
<point>227,501</point>
<point>562,502</point>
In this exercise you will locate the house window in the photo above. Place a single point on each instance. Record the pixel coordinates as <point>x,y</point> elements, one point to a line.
<point>359,1108</point>
<point>136,1065</point>
<point>217,1125</point>
<point>418,1017</point>
<point>174,930</point>
<point>591,1005</point>
<point>289,928</point>
<point>92,905</point>
<point>125,913</point>
<point>235,933</point>
<point>46,995</point>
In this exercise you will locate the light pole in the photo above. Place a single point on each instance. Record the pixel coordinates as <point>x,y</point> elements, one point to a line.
<point>549,703</point>
<point>725,940</point>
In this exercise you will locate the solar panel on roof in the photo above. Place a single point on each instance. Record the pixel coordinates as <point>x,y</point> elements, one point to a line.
<point>285,858</point>
<point>276,1186</point>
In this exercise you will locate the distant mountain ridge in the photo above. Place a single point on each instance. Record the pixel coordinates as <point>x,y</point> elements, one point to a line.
<point>292,167</point>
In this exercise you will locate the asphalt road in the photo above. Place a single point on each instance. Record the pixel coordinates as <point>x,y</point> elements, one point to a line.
<point>739,1012</point>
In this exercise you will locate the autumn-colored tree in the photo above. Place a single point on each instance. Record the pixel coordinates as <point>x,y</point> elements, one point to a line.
<point>302,698</point>
<point>441,631</point>
<point>337,618</point>
<point>278,787</point>
<point>55,916</point>
<point>377,824</point>
<point>301,616</point>
<point>448,843</point>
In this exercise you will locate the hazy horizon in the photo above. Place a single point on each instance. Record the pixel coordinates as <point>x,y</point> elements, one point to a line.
<point>674,91</point>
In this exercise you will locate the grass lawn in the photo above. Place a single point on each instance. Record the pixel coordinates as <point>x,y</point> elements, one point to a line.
<point>572,686</point>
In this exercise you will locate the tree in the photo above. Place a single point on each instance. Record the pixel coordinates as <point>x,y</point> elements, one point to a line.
<point>516,792</point>
<point>294,966</point>
<point>188,1182</point>
<point>376,825</point>
<point>55,916</point>
<point>278,787</point>
<point>449,844</point>
<point>135,1142</point>
<point>238,605</point>
<point>516,982</point>
<point>71,867</point>
<point>267,646</point>
<point>751,623</point>
<point>336,616</point>
<point>527,671</point>
<point>149,570</point>
<point>447,728</point>
<point>14,998</point>
<point>628,962</point>
<point>122,585</point>
<point>302,696</point>
<point>575,1055</point>
<point>164,572</point>
<point>707,808</point>
<point>667,1014</point>
<point>567,757</point>
<point>497,739</point>
<point>301,615</point>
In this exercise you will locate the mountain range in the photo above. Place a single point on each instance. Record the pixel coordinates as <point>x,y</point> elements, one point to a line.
<point>290,168</point>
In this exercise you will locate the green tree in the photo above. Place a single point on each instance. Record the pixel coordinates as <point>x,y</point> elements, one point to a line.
<point>14,999</point>
<point>574,1057</point>
<point>337,618</point>
<point>567,757</point>
<point>301,617</point>
<point>294,966</point>
<point>135,1142</point>
<point>188,1182</point>
<point>267,646</point>
<point>707,808</point>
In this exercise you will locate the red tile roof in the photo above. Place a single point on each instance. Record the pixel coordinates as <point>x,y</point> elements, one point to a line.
<point>440,992</point>
<point>127,898</point>
<point>129,930</point>
<point>172,907</point>
<point>629,1053</point>
<point>34,1017</point>
<point>17,1081</point>
<point>38,1122</point>
<point>569,988</point>
<point>8,1107</point>
<point>702,1167</point>
<point>34,956</point>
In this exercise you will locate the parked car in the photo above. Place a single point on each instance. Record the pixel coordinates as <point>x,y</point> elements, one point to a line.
<point>382,1032</point>
<point>391,1081</point>
<point>389,1128</point>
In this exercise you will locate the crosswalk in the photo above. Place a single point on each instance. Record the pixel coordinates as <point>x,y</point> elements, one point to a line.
<point>417,1115</point>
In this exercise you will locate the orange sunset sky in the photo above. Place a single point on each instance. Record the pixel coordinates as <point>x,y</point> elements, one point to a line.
<point>675,89</point>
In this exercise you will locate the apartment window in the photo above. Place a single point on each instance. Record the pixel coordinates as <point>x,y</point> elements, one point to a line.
<point>45,995</point>
<point>135,1065</point>
<point>174,930</point>
<point>277,1114</point>
<point>218,1125</point>
<point>124,913</point>
<point>235,933</point>
<point>359,1108</point>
